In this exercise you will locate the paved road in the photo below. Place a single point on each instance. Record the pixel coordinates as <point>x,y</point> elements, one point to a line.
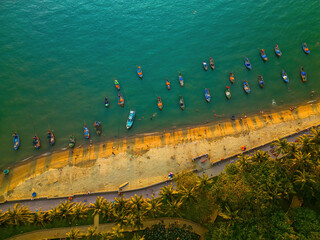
<point>147,192</point>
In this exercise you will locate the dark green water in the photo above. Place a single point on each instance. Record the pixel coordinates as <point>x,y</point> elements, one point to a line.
<point>59,58</point>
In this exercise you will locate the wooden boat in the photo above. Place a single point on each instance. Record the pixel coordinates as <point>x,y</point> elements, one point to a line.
<point>305,48</point>
<point>98,127</point>
<point>86,132</point>
<point>139,71</point>
<point>284,76</point>
<point>16,141</point>
<point>228,92</point>
<point>130,120</point>
<point>260,81</point>
<point>36,142</point>
<point>205,66</point>
<point>168,84</point>
<point>117,84</point>
<point>277,51</point>
<point>106,102</point>
<point>303,75</point>
<point>211,62</point>
<point>181,80</point>
<point>263,55</point>
<point>51,139</point>
<point>72,141</point>
<point>231,77</point>
<point>247,63</point>
<point>160,105</point>
<point>120,99</point>
<point>181,102</point>
<point>207,94</point>
<point>246,86</point>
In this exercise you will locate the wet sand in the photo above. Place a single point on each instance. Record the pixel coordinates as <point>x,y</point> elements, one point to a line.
<point>148,159</point>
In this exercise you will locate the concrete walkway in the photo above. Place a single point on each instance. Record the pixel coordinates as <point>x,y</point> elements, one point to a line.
<point>61,232</point>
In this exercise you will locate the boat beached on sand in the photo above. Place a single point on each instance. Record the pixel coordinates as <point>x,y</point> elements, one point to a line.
<point>284,76</point>
<point>168,84</point>
<point>181,80</point>
<point>130,120</point>
<point>36,142</point>
<point>181,102</point>
<point>277,51</point>
<point>120,99</point>
<point>139,72</point>
<point>228,92</point>
<point>160,105</point>
<point>247,63</point>
<point>205,66</point>
<point>86,132</point>
<point>211,62</point>
<point>16,141</point>
<point>231,77</point>
<point>246,86</point>
<point>305,48</point>
<point>263,55</point>
<point>303,75</point>
<point>260,81</point>
<point>207,94</point>
<point>51,138</point>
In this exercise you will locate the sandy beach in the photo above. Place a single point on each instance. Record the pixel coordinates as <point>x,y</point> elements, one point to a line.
<point>148,159</point>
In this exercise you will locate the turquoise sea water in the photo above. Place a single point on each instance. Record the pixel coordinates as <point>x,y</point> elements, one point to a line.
<point>58,60</point>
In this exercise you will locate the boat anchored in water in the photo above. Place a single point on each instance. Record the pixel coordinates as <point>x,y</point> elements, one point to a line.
<point>98,127</point>
<point>247,63</point>
<point>231,77</point>
<point>260,81</point>
<point>160,105</point>
<point>51,138</point>
<point>106,102</point>
<point>139,72</point>
<point>246,87</point>
<point>181,80</point>
<point>211,62</point>
<point>305,48</point>
<point>205,66</point>
<point>168,84</point>
<point>181,102</point>
<point>303,75</point>
<point>72,141</point>
<point>36,142</point>
<point>117,84</point>
<point>207,94</point>
<point>120,99</point>
<point>228,92</point>
<point>131,118</point>
<point>277,51</point>
<point>263,55</point>
<point>86,132</point>
<point>16,141</point>
<point>284,76</point>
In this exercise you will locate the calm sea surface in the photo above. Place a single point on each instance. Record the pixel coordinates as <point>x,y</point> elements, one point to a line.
<point>58,60</point>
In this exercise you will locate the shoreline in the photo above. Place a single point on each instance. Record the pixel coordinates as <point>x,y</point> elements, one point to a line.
<point>147,159</point>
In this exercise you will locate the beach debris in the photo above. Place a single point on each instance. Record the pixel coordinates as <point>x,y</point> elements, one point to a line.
<point>243,148</point>
<point>170,176</point>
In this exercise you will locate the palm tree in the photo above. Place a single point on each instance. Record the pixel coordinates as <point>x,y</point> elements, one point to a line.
<point>305,143</point>
<point>120,205</point>
<point>54,213</point>
<point>187,195</point>
<point>315,136</point>
<point>117,232</point>
<point>137,203</point>
<point>281,146</point>
<point>80,211</point>
<point>243,162</point>
<point>19,215</point>
<point>74,234</point>
<point>167,194</point>
<point>98,206</point>
<point>301,161</point>
<point>204,183</point>
<point>92,233</point>
<point>260,156</point>
<point>173,208</point>
<point>66,209</point>
<point>229,215</point>
<point>122,219</point>
<point>153,207</point>
<point>305,182</point>
<point>4,218</point>
<point>40,218</point>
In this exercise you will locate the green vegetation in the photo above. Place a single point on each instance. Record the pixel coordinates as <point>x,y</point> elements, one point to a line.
<point>258,197</point>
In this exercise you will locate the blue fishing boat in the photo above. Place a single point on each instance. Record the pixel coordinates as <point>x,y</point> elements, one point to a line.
<point>260,81</point>
<point>246,86</point>
<point>36,142</point>
<point>139,71</point>
<point>106,102</point>
<point>284,76</point>
<point>205,66</point>
<point>247,63</point>
<point>305,48</point>
<point>86,132</point>
<point>98,127</point>
<point>277,51</point>
<point>303,75</point>
<point>51,138</point>
<point>16,141</point>
<point>207,94</point>
<point>130,120</point>
<point>181,80</point>
<point>263,55</point>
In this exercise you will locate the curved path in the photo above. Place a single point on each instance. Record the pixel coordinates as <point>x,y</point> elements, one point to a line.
<point>214,170</point>
<point>61,232</point>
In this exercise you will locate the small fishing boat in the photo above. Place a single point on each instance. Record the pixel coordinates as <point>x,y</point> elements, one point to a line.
<point>51,139</point>
<point>228,92</point>
<point>246,86</point>
<point>98,127</point>
<point>211,62</point>
<point>207,94</point>
<point>277,51</point>
<point>72,141</point>
<point>168,84</point>
<point>284,76</point>
<point>260,81</point>
<point>106,102</point>
<point>181,80</point>
<point>130,120</point>
<point>139,71</point>
<point>247,63</point>
<point>205,66</point>
<point>303,75</point>
<point>36,142</point>
<point>263,55</point>
<point>120,99</point>
<point>181,103</point>
<point>117,84</point>
<point>160,105</point>
<point>231,77</point>
<point>16,141</point>
<point>305,48</point>
<point>86,132</point>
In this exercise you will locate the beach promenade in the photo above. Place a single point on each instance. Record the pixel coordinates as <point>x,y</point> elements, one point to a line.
<point>147,159</point>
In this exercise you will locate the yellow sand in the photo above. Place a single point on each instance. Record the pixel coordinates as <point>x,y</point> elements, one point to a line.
<point>147,159</point>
